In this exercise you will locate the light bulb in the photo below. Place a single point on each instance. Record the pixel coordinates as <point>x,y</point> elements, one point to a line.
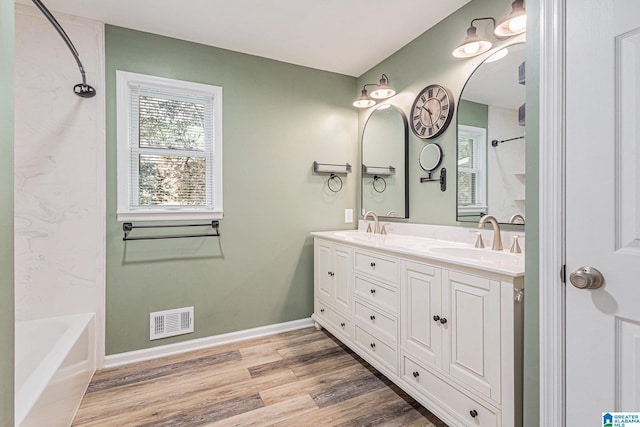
<point>471,48</point>
<point>518,24</point>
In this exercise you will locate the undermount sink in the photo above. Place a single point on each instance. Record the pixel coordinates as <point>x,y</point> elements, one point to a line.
<point>498,257</point>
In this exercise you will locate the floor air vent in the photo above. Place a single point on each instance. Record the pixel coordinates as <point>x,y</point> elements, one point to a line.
<point>168,323</point>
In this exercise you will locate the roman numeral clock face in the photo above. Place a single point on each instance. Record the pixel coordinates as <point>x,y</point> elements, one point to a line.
<point>432,111</point>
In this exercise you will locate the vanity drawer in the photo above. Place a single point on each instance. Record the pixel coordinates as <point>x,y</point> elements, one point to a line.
<point>379,295</point>
<point>377,265</point>
<point>332,320</point>
<point>383,325</point>
<point>377,349</point>
<point>464,407</point>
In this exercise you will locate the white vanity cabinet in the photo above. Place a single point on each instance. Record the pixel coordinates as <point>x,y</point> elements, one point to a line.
<point>448,334</point>
<point>333,283</point>
<point>376,302</point>
<point>458,340</point>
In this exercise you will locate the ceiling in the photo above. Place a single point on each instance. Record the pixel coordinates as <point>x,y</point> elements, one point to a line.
<point>343,36</point>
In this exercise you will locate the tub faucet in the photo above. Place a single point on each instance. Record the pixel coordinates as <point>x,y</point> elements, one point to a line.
<point>376,224</point>
<point>497,239</point>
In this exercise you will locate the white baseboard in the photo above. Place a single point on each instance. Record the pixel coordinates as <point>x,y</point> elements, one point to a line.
<point>119,359</point>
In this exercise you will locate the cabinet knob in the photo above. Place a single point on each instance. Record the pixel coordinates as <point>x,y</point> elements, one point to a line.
<point>322,310</point>
<point>436,318</point>
<point>372,317</point>
<point>373,265</point>
<point>373,291</point>
<point>373,345</point>
<point>416,374</point>
<point>342,324</point>
<point>443,320</point>
<point>329,273</point>
<point>473,413</point>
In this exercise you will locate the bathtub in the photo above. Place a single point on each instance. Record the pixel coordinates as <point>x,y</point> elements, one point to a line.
<point>54,364</point>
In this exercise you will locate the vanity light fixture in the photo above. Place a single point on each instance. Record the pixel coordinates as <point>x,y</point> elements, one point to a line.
<point>364,101</point>
<point>382,91</point>
<point>513,24</point>
<point>473,45</point>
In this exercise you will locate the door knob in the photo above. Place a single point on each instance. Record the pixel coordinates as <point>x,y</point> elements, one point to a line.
<point>586,278</point>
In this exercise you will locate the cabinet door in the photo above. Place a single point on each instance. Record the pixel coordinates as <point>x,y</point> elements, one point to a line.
<point>323,268</point>
<point>421,312</point>
<point>472,344</point>
<point>342,278</point>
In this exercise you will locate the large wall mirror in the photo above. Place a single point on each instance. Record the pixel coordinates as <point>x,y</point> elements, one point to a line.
<point>491,139</point>
<point>385,184</point>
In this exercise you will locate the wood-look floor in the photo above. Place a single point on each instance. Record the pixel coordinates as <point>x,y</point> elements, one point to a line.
<point>298,378</point>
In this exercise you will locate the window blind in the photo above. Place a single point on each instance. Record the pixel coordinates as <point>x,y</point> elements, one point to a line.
<point>171,144</point>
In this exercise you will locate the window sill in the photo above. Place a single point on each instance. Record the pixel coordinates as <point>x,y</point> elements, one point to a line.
<point>168,215</point>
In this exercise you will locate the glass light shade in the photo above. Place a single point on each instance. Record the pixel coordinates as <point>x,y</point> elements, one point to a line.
<point>514,23</point>
<point>364,101</point>
<point>383,91</point>
<point>472,45</point>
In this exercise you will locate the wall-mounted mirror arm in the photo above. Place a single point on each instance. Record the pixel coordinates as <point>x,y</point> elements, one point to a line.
<point>442,180</point>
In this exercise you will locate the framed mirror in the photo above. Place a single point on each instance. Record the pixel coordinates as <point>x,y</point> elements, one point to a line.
<point>385,183</point>
<point>491,139</point>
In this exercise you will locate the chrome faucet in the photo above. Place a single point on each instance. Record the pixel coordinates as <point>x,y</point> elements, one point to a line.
<point>376,224</point>
<point>516,217</point>
<point>497,239</point>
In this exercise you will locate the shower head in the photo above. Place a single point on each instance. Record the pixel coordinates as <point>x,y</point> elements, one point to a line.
<point>81,89</point>
<point>84,90</point>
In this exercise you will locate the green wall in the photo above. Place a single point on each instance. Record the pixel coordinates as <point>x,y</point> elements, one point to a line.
<point>277,119</point>
<point>473,114</point>
<point>6,213</point>
<point>428,60</point>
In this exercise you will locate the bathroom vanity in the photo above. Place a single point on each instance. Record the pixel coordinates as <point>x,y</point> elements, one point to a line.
<point>438,317</point>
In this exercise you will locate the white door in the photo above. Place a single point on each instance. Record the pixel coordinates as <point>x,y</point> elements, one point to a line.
<point>603,207</point>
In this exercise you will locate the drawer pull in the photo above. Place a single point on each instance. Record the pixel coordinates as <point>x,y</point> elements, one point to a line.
<point>373,291</point>
<point>342,324</point>
<point>373,345</point>
<point>322,310</point>
<point>373,265</point>
<point>473,413</point>
<point>436,318</point>
<point>416,374</point>
<point>443,320</point>
<point>372,317</point>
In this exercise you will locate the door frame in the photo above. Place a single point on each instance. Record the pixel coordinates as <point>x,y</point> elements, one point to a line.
<point>552,211</point>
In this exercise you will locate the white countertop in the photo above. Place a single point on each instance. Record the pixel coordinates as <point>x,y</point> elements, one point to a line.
<point>449,251</point>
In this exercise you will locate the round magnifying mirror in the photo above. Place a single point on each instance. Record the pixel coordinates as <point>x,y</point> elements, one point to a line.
<point>430,157</point>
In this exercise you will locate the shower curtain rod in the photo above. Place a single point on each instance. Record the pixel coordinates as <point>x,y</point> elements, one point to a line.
<point>495,142</point>
<point>81,89</point>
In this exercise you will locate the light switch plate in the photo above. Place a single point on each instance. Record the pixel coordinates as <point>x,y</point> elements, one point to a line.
<point>348,216</point>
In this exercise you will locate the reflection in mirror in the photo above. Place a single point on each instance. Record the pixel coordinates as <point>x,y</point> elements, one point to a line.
<point>491,141</point>
<point>384,163</point>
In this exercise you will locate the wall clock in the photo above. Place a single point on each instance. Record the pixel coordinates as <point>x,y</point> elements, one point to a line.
<point>432,111</point>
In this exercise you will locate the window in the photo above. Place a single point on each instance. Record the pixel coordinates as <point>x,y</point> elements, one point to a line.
<point>169,149</point>
<point>472,143</point>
